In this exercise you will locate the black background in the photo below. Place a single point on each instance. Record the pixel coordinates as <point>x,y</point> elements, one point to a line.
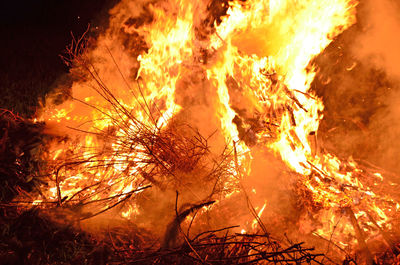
<point>33,35</point>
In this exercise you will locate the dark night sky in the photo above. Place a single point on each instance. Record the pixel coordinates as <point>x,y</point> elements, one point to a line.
<point>33,34</point>
<point>60,14</point>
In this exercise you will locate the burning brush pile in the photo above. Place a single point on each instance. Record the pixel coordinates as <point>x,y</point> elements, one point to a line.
<point>190,136</point>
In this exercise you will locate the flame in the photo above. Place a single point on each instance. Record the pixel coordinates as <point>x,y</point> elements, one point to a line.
<point>258,62</point>
<point>255,222</point>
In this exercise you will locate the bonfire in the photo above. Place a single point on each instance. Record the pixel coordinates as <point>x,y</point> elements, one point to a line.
<point>190,136</point>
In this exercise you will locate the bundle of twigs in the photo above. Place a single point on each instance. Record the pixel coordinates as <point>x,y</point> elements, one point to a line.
<point>133,154</point>
<point>211,247</point>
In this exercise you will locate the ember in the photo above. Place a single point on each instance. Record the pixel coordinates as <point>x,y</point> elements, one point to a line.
<point>189,116</point>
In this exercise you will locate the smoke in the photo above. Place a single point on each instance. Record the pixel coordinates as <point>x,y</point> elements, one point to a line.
<point>358,79</point>
<point>379,43</point>
<point>380,46</point>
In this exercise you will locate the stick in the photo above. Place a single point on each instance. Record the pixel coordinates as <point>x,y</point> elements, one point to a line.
<point>360,237</point>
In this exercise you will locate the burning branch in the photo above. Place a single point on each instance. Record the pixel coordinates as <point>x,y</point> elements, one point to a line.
<point>360,237</point>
